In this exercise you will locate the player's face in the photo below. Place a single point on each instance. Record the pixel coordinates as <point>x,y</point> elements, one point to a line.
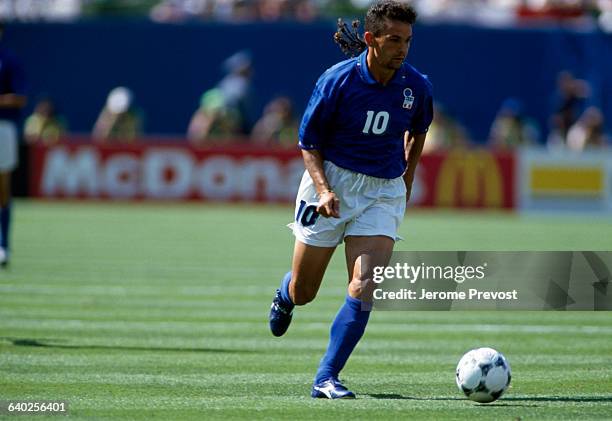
<point>390,48</point>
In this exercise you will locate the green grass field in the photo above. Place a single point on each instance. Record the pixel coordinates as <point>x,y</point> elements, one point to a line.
<point>160,311</point>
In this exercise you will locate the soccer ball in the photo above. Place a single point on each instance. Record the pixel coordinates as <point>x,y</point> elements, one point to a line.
<point>483,374</point>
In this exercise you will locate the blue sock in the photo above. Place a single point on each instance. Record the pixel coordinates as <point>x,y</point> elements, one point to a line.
<point>284,289</point>
<point>345,332</point>
<point>5,222</point>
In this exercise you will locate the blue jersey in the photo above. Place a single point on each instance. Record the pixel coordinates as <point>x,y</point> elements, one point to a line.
<point>359,124</point>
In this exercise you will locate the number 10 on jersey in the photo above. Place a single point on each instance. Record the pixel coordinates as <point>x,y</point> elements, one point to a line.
<point>377,122</point>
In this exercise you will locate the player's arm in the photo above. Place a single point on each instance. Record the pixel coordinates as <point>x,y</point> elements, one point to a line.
<point>413,145</point>
<point>329,204</point>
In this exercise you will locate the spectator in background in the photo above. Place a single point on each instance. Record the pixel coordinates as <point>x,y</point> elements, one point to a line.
<point>119,122</point>
<point>273,10</point>
<point>305,10</point>
<point>552,9</point>
<point>512,128</point>
<point>225,111</point>
<point>12,101</point>
<point>568,102</point>
<point>445,132</point>
<point>177,11</point>
<point>236,87</point>
<point>588,131</point>
<point>214,122</point>
<point>37,10</point>
<point>44,126</point>
<point>277,126</point>
<point>234,10</point>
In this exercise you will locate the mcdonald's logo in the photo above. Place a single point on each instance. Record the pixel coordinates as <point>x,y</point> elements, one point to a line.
<point>469,179</point>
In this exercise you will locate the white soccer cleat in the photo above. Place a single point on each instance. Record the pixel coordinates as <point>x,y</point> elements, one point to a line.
<point>3,257</point>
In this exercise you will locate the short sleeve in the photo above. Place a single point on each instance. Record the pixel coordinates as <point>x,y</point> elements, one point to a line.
<point>317,115</point>
<point>424,116</point>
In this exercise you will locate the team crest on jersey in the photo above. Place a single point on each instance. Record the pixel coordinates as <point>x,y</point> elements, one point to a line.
<point>408,99</point>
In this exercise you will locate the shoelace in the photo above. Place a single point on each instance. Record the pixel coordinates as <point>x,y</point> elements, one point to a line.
<point>279,307</point>
<point>336,382</point>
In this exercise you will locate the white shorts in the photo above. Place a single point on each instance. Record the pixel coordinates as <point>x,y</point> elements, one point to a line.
<point>8,146</point>
<point>369,206</point>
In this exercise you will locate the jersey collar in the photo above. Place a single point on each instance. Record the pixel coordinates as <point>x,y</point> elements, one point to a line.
<point>362,63</point>
<point>365,74</point>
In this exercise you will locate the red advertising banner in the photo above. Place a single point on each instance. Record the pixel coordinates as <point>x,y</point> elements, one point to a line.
<point>466,179</point>
<point>480,179</point>
<point>164,172</point>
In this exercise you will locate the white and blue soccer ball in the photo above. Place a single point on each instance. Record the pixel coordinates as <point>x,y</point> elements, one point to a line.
<point>483,374</point>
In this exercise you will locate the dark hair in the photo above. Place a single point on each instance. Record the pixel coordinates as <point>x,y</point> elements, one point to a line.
<point>349,39</point>
<point>391,10</point>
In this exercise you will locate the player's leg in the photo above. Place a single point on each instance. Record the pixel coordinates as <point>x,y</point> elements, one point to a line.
<point>363,253</point>
<point>308,267</point>
<point>5,215</point>
<point>8,162</point>
<point>316,239</point>
<point>300,285</point>
<point>369,240</point>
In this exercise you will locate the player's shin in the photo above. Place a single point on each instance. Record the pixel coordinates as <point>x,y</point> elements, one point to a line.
<point>284,290</point>
<point>5,221</point>
<point>346,331</point>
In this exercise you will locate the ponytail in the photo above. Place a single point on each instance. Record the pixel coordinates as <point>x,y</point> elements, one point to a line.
<point>348,39</point>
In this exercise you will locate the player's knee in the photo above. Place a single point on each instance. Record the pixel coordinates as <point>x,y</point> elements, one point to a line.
<point>359,287</point>
<point>302,296</point>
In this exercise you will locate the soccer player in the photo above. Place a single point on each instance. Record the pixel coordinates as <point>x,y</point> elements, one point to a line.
<point>361,138</point>
<point>12,100</point>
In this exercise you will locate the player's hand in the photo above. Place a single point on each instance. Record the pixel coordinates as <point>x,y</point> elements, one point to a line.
<point>329,205</point>
<point>408,182</point>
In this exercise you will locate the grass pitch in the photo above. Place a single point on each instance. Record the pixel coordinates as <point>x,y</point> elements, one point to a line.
<point>160,311</point>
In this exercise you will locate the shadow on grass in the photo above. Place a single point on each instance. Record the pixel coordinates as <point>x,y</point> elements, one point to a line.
<point>559,398</point>
<point>396,396</point>
<point>36,343</point>
<point>412,398</point>
<point>504,401</point>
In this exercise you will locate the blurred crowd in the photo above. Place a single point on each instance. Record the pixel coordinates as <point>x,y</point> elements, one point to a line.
<point>574,124</point>
<point>517,12</point>
<point>489,12</point>
<point>224,116</point>
<point>236,10</point>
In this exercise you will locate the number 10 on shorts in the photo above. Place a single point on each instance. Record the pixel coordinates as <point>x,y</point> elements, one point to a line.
<point>307,214</point>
